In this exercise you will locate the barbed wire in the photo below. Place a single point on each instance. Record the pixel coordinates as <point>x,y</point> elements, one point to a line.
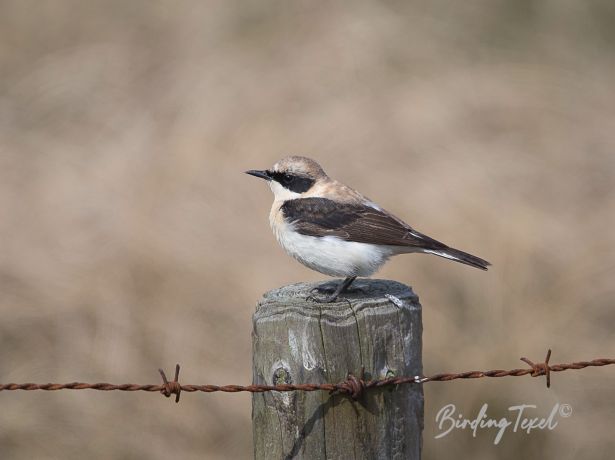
<point>354,386</point>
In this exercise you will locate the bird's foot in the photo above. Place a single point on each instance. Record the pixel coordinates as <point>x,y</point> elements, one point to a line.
<point>324,289</point>
<point>327,299</point>
<point>342,287</point>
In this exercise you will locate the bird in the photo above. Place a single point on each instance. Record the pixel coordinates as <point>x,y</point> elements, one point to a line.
<point>333,229</point>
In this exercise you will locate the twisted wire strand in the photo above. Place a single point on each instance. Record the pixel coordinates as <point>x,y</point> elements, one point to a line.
<point>353,386</point>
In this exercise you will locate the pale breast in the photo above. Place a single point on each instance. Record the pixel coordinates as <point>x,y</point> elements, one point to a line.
<point>276,219</point>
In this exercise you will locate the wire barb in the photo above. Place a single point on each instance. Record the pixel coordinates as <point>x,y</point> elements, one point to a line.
<point>171,388</point>
<point>539,369</point>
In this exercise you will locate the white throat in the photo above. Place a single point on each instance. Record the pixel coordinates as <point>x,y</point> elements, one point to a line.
<point>282,194</point>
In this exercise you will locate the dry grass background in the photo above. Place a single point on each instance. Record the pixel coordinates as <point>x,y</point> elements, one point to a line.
<point>130,239</point>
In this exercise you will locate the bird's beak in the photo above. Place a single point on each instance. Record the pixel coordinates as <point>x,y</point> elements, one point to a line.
<point>262,174</point>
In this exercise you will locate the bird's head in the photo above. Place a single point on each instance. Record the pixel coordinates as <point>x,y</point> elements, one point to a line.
<point>291,177</point>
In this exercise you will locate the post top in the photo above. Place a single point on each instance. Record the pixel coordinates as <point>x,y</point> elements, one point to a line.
<point>363,290</point>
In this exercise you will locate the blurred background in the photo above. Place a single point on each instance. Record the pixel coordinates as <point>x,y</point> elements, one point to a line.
<point>130,239</point>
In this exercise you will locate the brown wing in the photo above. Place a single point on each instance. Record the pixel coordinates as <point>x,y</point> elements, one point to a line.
<point>352,222</point>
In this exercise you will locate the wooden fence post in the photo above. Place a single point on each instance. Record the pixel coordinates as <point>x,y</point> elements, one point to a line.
<point>300,341</point>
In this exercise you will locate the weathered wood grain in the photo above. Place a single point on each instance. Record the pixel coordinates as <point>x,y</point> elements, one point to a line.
<point>300,341</point>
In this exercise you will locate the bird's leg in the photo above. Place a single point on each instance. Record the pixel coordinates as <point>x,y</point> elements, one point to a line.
<point>343,286</point>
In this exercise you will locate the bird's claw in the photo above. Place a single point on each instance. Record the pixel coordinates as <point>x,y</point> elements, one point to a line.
<point>323,290</point>
<point>328,299</point>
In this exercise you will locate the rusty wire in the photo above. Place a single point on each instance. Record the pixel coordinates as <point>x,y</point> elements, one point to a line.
<point>353,386</point>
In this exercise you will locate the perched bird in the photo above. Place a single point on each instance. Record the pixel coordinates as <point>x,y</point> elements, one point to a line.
<point>335,230</point>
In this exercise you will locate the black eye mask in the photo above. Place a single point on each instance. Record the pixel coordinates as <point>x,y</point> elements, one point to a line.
<point>292,182</point>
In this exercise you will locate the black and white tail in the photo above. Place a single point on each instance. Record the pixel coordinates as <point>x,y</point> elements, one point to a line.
<point>460,256</point>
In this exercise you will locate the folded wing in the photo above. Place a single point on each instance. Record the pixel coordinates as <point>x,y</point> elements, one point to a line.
<point>353,222</point>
